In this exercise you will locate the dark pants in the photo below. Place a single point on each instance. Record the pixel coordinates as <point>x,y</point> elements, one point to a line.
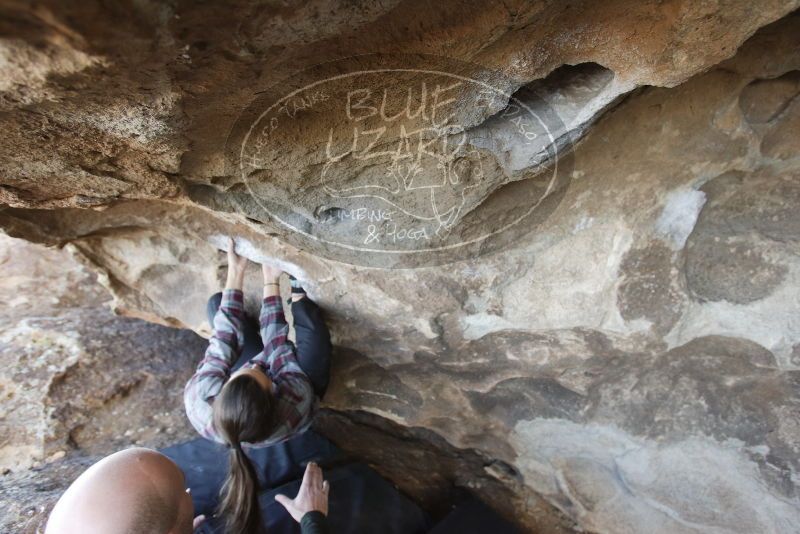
<point>313,341</point>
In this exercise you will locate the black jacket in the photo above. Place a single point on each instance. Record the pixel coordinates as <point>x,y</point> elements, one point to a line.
<point>314,523</point>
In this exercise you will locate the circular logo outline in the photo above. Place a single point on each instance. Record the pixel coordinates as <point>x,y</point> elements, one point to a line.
<point>453,246</point>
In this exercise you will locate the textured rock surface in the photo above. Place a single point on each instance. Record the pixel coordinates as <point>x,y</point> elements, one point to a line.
<point>630,359</point>
<point>75,379</point>
<point>27,496</point>
<point>75,376</point>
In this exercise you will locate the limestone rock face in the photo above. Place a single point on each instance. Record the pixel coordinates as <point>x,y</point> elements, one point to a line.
<point>560,240</point>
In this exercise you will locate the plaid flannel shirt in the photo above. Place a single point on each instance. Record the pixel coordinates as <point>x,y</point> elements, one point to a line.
<point>293,391</point>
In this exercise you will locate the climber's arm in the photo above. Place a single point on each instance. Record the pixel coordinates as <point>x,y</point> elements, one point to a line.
<point>272,321</point>
<point>223,350</point>
<point>278,359</point>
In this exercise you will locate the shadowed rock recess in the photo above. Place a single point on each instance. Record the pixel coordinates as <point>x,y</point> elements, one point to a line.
<point>557,242</point>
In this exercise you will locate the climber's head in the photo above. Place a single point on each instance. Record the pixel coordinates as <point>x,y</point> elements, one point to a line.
<point>135,490</point>
<point>257,374</point>
<point>244,412</point>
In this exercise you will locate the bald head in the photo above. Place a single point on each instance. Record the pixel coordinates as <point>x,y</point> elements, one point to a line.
<point>135,491</point>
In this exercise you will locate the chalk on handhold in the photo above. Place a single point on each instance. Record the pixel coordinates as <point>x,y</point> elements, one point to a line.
<point>245,248</point>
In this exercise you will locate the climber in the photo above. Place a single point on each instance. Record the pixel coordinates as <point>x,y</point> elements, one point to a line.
<point>141,490</point>
<point>246,394</point>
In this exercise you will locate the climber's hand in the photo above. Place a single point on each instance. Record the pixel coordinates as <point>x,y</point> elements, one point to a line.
<point>236,267</point>
<point>271,273</point>
<point>313,495</point>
